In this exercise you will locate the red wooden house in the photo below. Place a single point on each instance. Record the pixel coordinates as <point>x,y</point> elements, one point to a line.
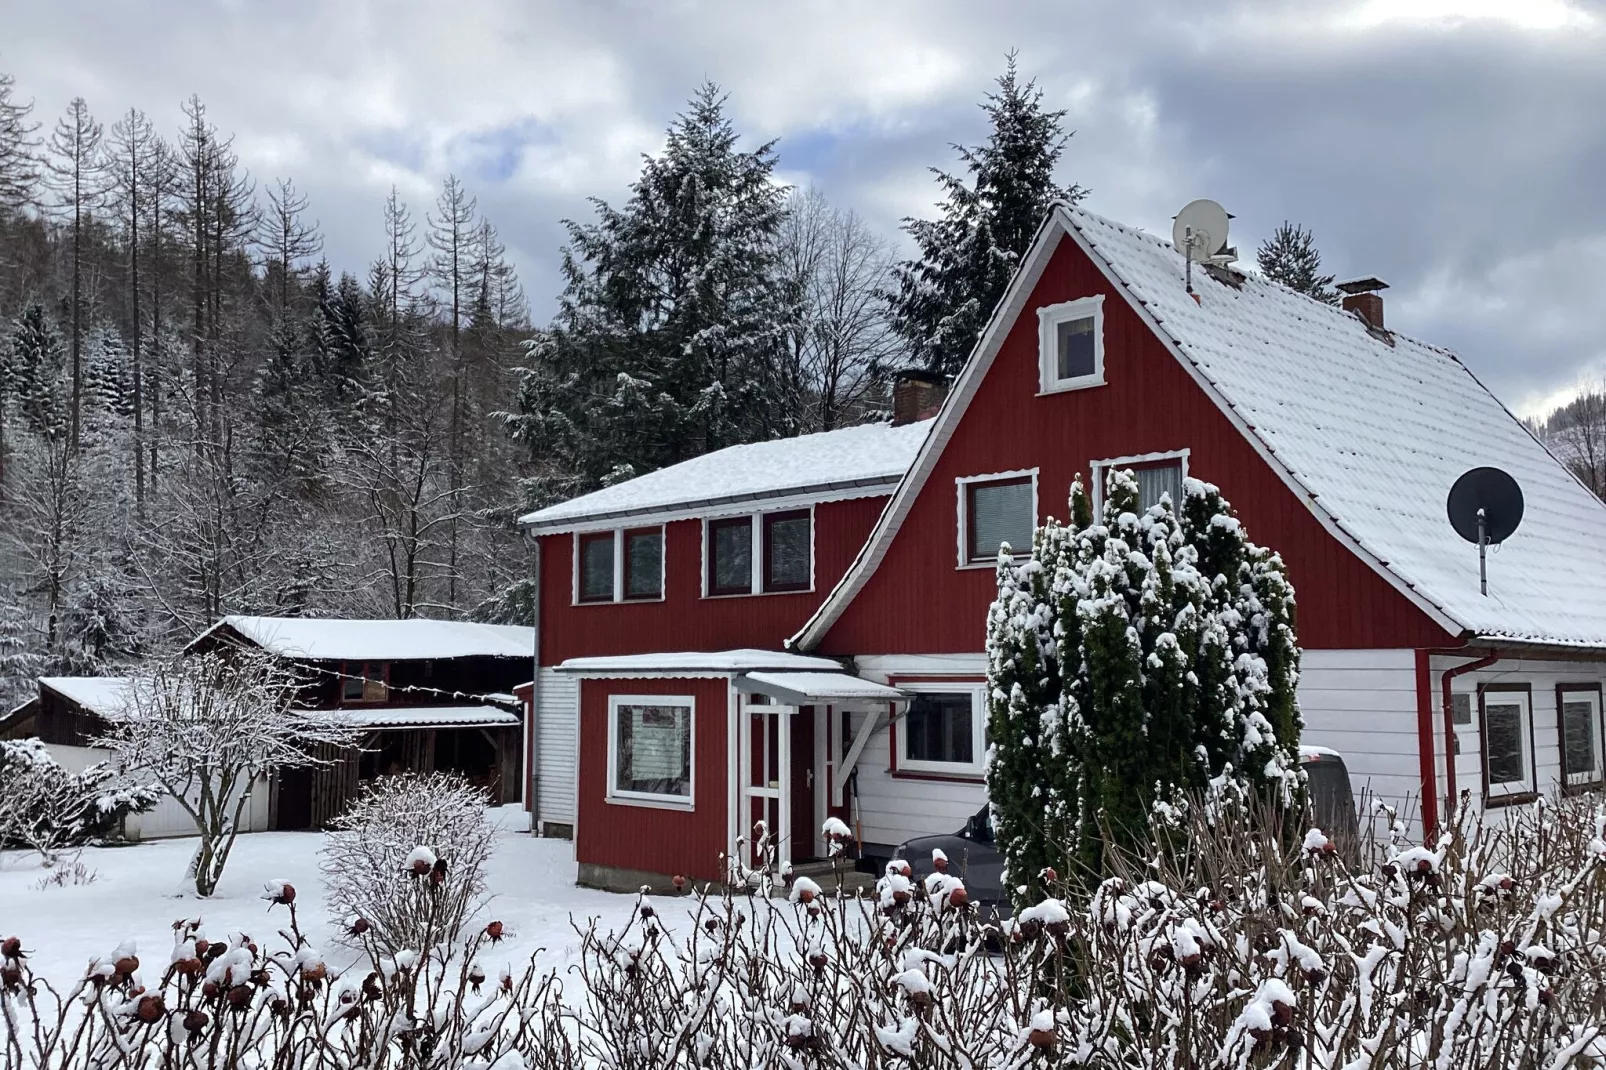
<point>795,629</point>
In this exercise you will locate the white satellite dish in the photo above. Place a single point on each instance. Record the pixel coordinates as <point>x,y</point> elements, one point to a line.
<point>1200,231</point>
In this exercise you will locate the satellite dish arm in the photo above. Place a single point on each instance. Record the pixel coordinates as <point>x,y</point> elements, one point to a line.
<point>1483,552</point>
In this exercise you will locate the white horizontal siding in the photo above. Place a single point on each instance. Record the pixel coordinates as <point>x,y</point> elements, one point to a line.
<point>557,756</point>
<point>168,818</point>
<point>1362,703</point>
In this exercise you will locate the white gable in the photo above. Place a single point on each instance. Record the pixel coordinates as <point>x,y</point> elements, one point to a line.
<point>1377,434</point>
<point>869,456</point>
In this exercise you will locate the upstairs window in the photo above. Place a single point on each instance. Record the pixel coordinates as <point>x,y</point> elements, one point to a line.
<point>364,681</point>
<point>1158,475</point>
<point>779,560</point>
<point>1579,726</point>
<point>1070,341</point>
<point>994,510</point>
<point>621,565</point>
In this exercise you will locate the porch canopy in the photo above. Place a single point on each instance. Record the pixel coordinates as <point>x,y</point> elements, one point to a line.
<point>390,717</point>
<point>810,688</point>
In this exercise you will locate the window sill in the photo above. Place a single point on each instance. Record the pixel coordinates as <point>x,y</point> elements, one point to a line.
<point>957,777</point>
<point>977,566</point>
<point>1517,798</point>
<point>682,807</point>
<point>616,602</point>
<point>758,594</point>
<point>1070,386</point>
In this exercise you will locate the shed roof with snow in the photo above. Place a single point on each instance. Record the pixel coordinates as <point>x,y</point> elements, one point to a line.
<point>315,639</point>
<point>103,696</point>
<point>848,462</point>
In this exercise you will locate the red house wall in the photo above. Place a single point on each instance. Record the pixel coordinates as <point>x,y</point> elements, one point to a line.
<point>664,841</point>
<point>684,619</point>
<point>917,601</point>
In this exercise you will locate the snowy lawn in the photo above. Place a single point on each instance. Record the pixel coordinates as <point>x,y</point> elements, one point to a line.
<point>138,893</point>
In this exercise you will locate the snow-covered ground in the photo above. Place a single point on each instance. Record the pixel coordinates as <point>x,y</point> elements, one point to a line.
<point>138,892</point>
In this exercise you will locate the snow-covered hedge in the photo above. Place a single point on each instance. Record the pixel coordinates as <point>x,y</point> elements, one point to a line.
<point>1229,946</point>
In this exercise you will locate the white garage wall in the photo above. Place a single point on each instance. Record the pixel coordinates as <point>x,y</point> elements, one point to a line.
<point>168,818</point>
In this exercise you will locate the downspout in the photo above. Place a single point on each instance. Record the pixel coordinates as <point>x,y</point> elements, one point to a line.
<point>1424,744</point>
<point>532,723</point>
<point>1450,792</point>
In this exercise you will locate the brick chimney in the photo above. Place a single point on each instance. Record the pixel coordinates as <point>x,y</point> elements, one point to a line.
<point>1363,297</point>
<point>916,395</point>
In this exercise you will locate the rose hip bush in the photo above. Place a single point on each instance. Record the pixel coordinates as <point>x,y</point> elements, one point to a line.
<point>1225,942</point>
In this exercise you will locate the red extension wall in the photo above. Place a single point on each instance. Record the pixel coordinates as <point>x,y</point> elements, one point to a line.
<point>918,602</point>
<point>644,838</point>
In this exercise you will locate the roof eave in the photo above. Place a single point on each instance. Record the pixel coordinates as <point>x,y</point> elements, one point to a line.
<point>673,509</point>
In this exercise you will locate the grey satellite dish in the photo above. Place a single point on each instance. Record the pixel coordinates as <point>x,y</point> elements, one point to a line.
<point>1485,506</point>
<point>1200,230</point>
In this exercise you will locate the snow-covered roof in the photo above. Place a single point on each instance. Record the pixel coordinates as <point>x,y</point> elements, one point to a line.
<point>816,686</point>
<point>1371,435</point>
<point>380,640</point>
<point>721,662</point>
<point>868,458</point>
<point>105,696</point>
<point>1377,434</point>
<point>430,717</point>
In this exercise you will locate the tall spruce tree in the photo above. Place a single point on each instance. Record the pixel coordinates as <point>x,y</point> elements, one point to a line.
<point>943,297</point>
<point>1290,257</point>
<point>671,332</point>
<point>1131,662</point>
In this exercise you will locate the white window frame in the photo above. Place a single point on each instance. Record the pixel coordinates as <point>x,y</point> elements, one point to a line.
<point>1049,318</point>
<point>1100,469</point>
<point>619,565</point>
<point>962,490</point>
<point>756,580</point>
<point>978,729</point>
<point>1524,701</point>
<point>651,800</point>
<point>1564,693</point>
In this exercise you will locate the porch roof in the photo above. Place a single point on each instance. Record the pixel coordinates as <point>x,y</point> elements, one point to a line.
<point>798,688</point>
<point>431,717</point>
<point>682,662</point>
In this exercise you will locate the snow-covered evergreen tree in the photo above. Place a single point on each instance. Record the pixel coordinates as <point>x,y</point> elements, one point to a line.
<point>671,332</point>
<point>20,662</point>
<point>988,216</point>
<point>1290,257</point>
<point>1132,661</point>
<point>36,374</point>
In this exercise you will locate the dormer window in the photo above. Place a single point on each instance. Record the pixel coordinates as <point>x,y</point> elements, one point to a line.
<point>1070,341</point>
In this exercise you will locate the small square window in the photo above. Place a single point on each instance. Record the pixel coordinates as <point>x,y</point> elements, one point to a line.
<point>644,563</point>
<point>364,681</point>
<point>787,541</point>
<point>998,512</point>
<point>596,567</point>
<point>1071,345</point>
<point>651,743</point>
<point>730,556</point>
<point>943,732</point>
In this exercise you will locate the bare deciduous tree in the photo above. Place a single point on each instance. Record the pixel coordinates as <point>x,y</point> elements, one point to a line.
<point>207,727</point>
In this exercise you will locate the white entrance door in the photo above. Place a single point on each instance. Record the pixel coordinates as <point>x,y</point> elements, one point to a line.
<point>764,762</point>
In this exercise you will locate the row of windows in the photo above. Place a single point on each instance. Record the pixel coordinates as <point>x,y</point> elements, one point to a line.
<point>1507,738</point>
<point>761,553</point>
<point>1002,509</point>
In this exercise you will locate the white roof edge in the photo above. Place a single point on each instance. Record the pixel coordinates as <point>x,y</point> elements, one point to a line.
<point>892,515</point>
<point>871,487</point>
<point>716,663</point>
<point>958,400</point>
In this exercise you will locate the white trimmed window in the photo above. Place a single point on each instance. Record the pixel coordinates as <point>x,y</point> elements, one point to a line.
<point>995,510</point>
<point>651,743</point>
<point>1158,474</point>
<point>1578,724</point>
<point>1507,738</point>
<point>1070,345</point>
<point>623,565</point>
<point>943,730</point>
<point>759,553</point>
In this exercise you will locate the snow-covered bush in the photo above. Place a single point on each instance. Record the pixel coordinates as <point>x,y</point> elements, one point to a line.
<point>1131,661</point>
<point>1224,944</point>
<point>408,859</point>
<point>45,807</point>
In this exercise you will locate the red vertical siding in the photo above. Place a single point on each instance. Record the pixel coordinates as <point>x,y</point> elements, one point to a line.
<point>664,841</point>
<point>684,619</point>
<point>918,602</point>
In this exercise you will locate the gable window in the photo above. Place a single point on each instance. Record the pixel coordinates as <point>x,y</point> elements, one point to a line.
<point>1578,723</point>
<point>1158,475</point>
<point>993,511</point>
<point>620,565</point>
<point>763,553</point>
<point>651,740</point>
<point>943,731</point>
<point>364,681</point>
<point>1070,342</point>
<point>1507,731</point>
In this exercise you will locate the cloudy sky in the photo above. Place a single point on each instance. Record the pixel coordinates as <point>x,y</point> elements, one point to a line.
<point>1457,148</point>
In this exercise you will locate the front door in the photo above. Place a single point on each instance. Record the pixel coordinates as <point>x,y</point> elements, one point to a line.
<point>804,819</point>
